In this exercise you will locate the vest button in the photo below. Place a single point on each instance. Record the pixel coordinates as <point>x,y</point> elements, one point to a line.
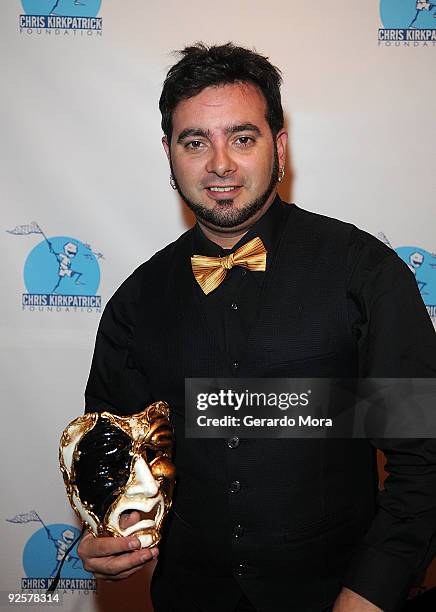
<point>241,569</point>
<point>233,442</point>
<point>238,531</point>
<point>235,487</point>
<point>235,364</point>
<point>234,306</point>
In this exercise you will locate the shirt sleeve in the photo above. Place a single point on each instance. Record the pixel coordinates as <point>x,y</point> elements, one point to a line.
<point>116,383</point>
<point>395,339</point>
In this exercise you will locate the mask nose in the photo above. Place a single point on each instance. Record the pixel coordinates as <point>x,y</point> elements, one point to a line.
<point>143,482</point>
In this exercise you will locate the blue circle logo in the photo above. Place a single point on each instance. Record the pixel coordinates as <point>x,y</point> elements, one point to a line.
<point>62,265</point>
<point>404,14</point>
<point>423,265</point>
<point>70,8</point>
<point>46,549</point>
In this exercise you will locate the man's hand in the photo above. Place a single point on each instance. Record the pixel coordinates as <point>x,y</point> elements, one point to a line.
<point>115,558</point>
<point>349,601</point>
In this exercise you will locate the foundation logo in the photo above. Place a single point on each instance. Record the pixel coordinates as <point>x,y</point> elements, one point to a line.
<point>423,265</point>
<point>67,17</point>
<point>60,273</point>
<point>409,23</point>
<point>49,548</point>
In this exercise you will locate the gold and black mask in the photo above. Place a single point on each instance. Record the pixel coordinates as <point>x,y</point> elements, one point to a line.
<point>116,464</point>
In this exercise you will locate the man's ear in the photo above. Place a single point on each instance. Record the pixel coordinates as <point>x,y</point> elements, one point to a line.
<point>281,144</point>
<point>166,146</point>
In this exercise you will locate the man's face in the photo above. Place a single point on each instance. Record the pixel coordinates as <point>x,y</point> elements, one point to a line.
<point>223,156</point>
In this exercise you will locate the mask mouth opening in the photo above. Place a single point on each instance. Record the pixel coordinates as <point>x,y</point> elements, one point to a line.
<point>144,515</point>
<point>150,516</point>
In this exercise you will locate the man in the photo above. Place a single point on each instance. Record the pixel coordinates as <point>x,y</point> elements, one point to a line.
<point>265,525</point>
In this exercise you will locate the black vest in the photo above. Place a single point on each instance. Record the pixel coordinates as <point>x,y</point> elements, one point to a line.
<point>287,532</point>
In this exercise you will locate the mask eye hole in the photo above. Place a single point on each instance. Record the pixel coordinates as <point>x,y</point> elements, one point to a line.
<point>150,452</point>
<point>161,435</point>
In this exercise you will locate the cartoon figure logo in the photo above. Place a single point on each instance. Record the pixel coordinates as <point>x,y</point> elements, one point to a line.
<point>407,14</point>
<point>77,8</point>
<point>60,271</point>
<point>423,265</point>
<point>65,259</point>
<point>46,550</point>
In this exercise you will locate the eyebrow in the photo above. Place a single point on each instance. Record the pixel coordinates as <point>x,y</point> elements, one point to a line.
<point>243,127</point>
<point>193,132</point>
<point>232,129</point>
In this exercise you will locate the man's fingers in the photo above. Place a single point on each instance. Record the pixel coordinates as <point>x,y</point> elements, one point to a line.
<point>90,546</point>
<point>120,576</point>
<point>118,567</point>
<point>113,558</point>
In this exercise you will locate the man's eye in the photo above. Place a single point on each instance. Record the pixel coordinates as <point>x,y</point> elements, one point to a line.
<point>244,141</point>
<point>194,144</point>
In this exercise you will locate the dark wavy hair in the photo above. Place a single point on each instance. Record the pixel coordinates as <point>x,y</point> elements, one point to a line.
<point>201,66</point>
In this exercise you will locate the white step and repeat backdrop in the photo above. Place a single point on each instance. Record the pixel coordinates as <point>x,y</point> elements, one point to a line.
<point>84,184</point>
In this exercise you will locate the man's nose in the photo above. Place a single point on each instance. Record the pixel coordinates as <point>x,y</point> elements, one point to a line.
<point>221,162</point>
<point>143,482</point>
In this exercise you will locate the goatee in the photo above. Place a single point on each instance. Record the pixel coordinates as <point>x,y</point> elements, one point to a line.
<point>224,214</point>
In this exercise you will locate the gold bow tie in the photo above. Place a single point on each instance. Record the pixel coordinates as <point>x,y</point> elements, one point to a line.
<point>210,272</point>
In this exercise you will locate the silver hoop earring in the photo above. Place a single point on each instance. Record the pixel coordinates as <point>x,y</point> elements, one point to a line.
<point>173,182</point>
<point>281,174</point>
